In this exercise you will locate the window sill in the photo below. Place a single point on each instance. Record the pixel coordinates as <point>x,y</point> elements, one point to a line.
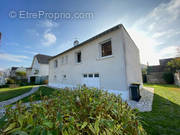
<point>105,57</point>
<point>78,63</point>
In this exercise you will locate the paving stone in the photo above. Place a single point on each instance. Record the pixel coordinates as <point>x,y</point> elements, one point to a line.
<point>145,103</point>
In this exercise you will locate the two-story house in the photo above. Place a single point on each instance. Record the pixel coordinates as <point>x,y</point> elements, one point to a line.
<point>109,61</point>
<point>39,70</point>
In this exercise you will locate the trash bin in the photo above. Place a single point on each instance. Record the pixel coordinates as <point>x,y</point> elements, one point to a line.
<point>135,93</point>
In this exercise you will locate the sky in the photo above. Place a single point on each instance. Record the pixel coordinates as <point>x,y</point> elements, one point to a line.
<point>50,26</point>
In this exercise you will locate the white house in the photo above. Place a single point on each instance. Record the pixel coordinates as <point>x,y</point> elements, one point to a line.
<point>109,61</point>
<point>16,69</point>
<point>2,78</point>
<point>39,70</point>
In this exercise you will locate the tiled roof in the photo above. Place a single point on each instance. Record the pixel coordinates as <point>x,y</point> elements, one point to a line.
<point>91,39</point>
<point>43,59</point>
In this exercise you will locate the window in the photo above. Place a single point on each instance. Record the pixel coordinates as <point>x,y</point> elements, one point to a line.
<point>96,75</point>
<point>36,71</point>
<point>54,77</point>
<point>106,49</point>
<point>64,76</point>
<point>55,63</point>
<point>85,75</point>
<point>66,59</point>
<point>90,75</point>
<point>62,60</point>
<point>78,57</point>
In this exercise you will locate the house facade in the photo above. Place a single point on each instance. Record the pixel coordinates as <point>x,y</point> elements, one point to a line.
<point>2,78</point>
<point>14,70</point>
<point>109,61</point>
<point>39,70</point>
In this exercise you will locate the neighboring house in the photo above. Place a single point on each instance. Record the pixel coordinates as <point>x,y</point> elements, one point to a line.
<point>177,78</point>
<point>13,71</point>
<point>39,70</point>
<point>16,69</point>
<point>2,78</point>
<point>155,73</point>
<point>109,61</point>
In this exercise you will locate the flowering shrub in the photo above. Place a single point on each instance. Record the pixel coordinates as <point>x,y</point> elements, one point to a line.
<point>74,112</point>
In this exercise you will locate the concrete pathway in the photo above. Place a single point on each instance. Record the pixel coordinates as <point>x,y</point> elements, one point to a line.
<point>146,101</point>
<point>15,99</point>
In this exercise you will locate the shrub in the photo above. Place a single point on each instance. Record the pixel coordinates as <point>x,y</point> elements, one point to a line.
<point>168,77</point>
<point>10,81</point>
<point>45,82</point>
<point>4,86</point>
<point>81,111</point>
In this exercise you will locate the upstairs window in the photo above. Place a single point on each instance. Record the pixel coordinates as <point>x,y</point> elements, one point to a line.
<point>62,60</point>
<point>106,49</point>
<point>78,57</point>
<point>55,63</point>
<point>66,59</point>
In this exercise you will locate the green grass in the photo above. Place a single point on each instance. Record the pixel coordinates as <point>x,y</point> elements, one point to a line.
<point>44,91</point>
<point>165,115</point>
<point>8,93</point>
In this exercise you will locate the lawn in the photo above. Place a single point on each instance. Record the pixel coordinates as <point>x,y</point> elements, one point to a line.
<point>43,91</point>
<point>165,115</point>
<point>8,93</point>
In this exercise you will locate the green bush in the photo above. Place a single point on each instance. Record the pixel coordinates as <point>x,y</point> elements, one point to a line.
<point>81,111</point>
<point>168,77</point>
<point>4,86</point>
<point>10,81</point>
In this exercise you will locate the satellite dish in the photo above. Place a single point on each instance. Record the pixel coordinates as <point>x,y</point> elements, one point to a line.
<point>76,42</point>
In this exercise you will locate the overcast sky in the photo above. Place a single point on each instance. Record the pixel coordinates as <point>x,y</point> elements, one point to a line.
<point>154,26</point>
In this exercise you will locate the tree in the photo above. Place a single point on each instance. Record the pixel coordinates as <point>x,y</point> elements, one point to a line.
<point>174,65</point>
<point>21,74</point>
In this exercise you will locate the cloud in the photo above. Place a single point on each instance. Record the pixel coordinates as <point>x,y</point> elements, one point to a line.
<point>48,39</point>
<point>168,52</point>
<point>12,57</point>
<point>146,45</point>
<point>12,44</point>
<point>49,24</point>
<point>162,16</point>
<point>30,52</point>
<point>33,32</point>
<point>156,30</point>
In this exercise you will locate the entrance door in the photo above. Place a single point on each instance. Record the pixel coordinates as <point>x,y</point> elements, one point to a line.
<point>32,79</point>
<point>91,80</point>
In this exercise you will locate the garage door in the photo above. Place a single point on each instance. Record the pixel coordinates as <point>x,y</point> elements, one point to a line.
<point>91,80</point>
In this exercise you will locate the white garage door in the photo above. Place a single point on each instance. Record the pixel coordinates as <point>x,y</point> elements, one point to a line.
<point>91,80</point>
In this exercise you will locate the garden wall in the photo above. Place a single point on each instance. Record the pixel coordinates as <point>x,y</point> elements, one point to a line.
<point>155,77</point>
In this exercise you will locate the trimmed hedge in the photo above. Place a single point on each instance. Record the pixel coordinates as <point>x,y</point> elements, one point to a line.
<point>74,112</point>
<point>168,77</point>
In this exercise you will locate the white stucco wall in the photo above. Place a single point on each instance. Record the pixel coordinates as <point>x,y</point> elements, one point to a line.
<point>2,80</point>
<point>43,68</point>
<point>133,66</point>
<point>111,70</point>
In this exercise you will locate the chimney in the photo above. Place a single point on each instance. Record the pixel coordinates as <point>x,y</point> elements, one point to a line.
<point>76,42</point>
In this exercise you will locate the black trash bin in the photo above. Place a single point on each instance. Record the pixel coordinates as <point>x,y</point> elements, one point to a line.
<point>135,93</point>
